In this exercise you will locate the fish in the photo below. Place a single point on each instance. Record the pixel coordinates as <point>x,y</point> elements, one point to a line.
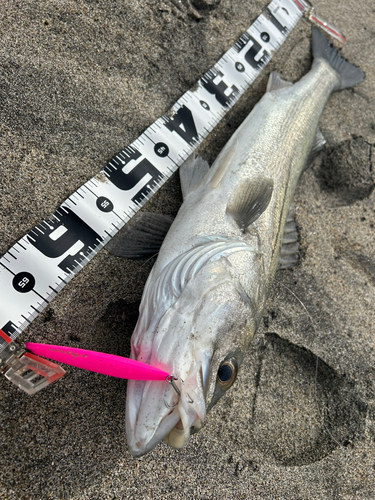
<point>206,293</point>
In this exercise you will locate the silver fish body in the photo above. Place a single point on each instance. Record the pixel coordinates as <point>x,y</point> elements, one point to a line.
<point>205,296</point>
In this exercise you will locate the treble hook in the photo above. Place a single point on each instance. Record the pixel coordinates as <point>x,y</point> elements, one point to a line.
<point>189,398</point>
<point>171,380</point>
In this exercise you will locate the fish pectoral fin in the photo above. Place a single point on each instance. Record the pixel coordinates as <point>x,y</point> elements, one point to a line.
<point>192,172</point>
<point>142,237</point>
<point>317,147</point>
<point>275,82</point>
<point>289,252</point>
<point>250,200</point>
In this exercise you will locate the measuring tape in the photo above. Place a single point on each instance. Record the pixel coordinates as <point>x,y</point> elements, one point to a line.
<point>41,263</point>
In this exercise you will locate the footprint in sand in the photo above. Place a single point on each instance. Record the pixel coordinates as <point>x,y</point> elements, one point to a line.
<point>302,409</point>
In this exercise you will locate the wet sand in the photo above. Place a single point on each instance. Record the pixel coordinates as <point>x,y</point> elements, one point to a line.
<point>81,80</point>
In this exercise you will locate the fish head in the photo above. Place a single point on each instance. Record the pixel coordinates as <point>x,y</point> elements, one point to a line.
<point>200,340</point>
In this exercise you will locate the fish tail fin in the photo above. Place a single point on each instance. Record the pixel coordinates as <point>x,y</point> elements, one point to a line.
<point>349,75</point>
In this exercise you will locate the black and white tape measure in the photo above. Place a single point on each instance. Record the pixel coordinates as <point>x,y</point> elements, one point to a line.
<point>41,263</point>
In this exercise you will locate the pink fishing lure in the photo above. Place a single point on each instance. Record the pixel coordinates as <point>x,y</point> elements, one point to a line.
<point>99,362</point>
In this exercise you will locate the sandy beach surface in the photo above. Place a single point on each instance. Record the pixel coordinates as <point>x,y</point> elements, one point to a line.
<point>78,82</point>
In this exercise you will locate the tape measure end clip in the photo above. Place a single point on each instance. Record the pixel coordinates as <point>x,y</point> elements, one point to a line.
<point>27,371</point>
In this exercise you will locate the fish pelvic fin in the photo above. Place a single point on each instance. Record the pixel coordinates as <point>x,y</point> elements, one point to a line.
<point>275,82</point>
<point>317,147</point>
<point>192,172</point>
<point>349,75</point>
<point>142,237</point>
<point>250,200</point>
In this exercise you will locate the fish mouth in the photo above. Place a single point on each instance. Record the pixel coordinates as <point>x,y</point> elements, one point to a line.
<point>140,442</point>
<point>156,412</point>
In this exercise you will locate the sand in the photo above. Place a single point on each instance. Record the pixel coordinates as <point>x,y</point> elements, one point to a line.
<point>81,80</point>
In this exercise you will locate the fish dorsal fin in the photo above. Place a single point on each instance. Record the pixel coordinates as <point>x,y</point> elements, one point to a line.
<point>142,237</point>
<point>290,246</point>
<point>192,172</point>
<point>250,200</point>
<point>275,82</point>
<point>222,167</point>
<point>317,147</point>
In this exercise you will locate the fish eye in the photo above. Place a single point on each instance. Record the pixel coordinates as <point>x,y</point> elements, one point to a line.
<point>227,373</point>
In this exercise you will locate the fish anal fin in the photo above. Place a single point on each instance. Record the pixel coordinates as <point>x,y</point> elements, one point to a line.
<point>250,200</point>
<point>142,237</point>
<point>289,252</point>
<point>275,82</point>
<point>317,147</point>
<point>192,172</point>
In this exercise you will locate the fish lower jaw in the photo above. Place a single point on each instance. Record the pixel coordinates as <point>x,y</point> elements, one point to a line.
<point>140,442</point>
<point>178,437</point>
